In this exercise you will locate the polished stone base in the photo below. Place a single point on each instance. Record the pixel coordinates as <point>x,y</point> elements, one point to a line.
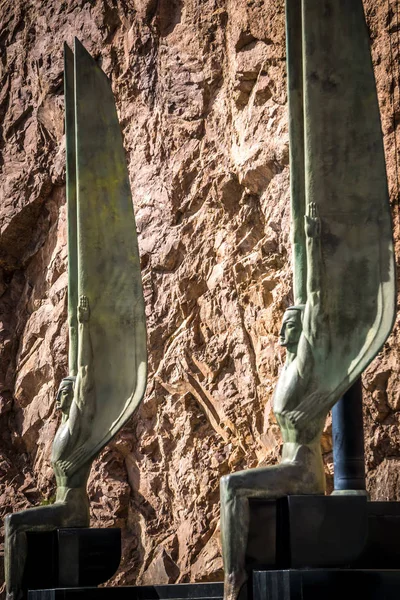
<point>326,584</point>
<point>183,591</point>
<point>299,548</point>
<point>71,557</point>
<point>290,584</point>
<point>323,532</point>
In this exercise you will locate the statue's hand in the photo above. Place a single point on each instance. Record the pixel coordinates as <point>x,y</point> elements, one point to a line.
<point>312,222</point>
<point>83,309</point>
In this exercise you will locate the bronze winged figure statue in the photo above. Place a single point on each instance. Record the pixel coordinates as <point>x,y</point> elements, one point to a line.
<point>107,332</point>
<point>343,259</point>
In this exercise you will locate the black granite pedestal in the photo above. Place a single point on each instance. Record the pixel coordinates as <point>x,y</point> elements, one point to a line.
<point>323,532</point>
<point>71,557</point>
<point>299,548</point>
<point>324,548</point>
<point>183,591</point>
<point>326,584</point>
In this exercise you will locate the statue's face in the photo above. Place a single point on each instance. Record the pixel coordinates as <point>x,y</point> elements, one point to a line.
<point>65,395</point>
<point>290,332</point>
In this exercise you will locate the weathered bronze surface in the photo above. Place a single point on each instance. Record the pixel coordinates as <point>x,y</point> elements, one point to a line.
<point>107,357</point>
<point>343,264</point>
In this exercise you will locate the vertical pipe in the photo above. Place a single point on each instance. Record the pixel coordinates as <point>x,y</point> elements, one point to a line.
<point>348,441</point>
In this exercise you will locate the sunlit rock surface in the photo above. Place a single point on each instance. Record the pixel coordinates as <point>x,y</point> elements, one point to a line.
<point>201,95</point>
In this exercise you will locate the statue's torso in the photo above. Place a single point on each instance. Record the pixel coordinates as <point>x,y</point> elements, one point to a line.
<point>290,391</point>
<point>62,442</point>
<point>63,446</point>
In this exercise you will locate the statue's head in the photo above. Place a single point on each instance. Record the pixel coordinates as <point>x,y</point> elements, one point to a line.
<point>291,329</point>
<point>65,394</point>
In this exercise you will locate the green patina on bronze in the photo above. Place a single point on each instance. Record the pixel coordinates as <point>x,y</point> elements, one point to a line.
<point>343,260</point>
<point>108,265</point>
<point>107,354</point>
<point>294,61</point>
<point>72,225</point>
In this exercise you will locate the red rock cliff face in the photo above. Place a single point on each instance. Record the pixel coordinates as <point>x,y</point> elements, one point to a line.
<point>200,90</point>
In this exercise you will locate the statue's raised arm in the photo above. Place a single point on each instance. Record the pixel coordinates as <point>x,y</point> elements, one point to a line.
<point>77,424</point>
<point>313,338</point>
<point>304,333</point>
<point>312,226</point>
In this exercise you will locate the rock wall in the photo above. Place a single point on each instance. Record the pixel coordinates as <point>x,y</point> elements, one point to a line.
<point>201,95</point>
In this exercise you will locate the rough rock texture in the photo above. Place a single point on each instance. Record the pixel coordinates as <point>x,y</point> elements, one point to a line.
<point>200,88</point>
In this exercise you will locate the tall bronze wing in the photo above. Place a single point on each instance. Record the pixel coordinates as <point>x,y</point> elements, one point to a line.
<point>337,160</point>
<point>103,252</point>
<point>69,93</point>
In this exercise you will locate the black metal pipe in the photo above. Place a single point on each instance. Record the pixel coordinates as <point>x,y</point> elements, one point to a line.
<point>348,440</point>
